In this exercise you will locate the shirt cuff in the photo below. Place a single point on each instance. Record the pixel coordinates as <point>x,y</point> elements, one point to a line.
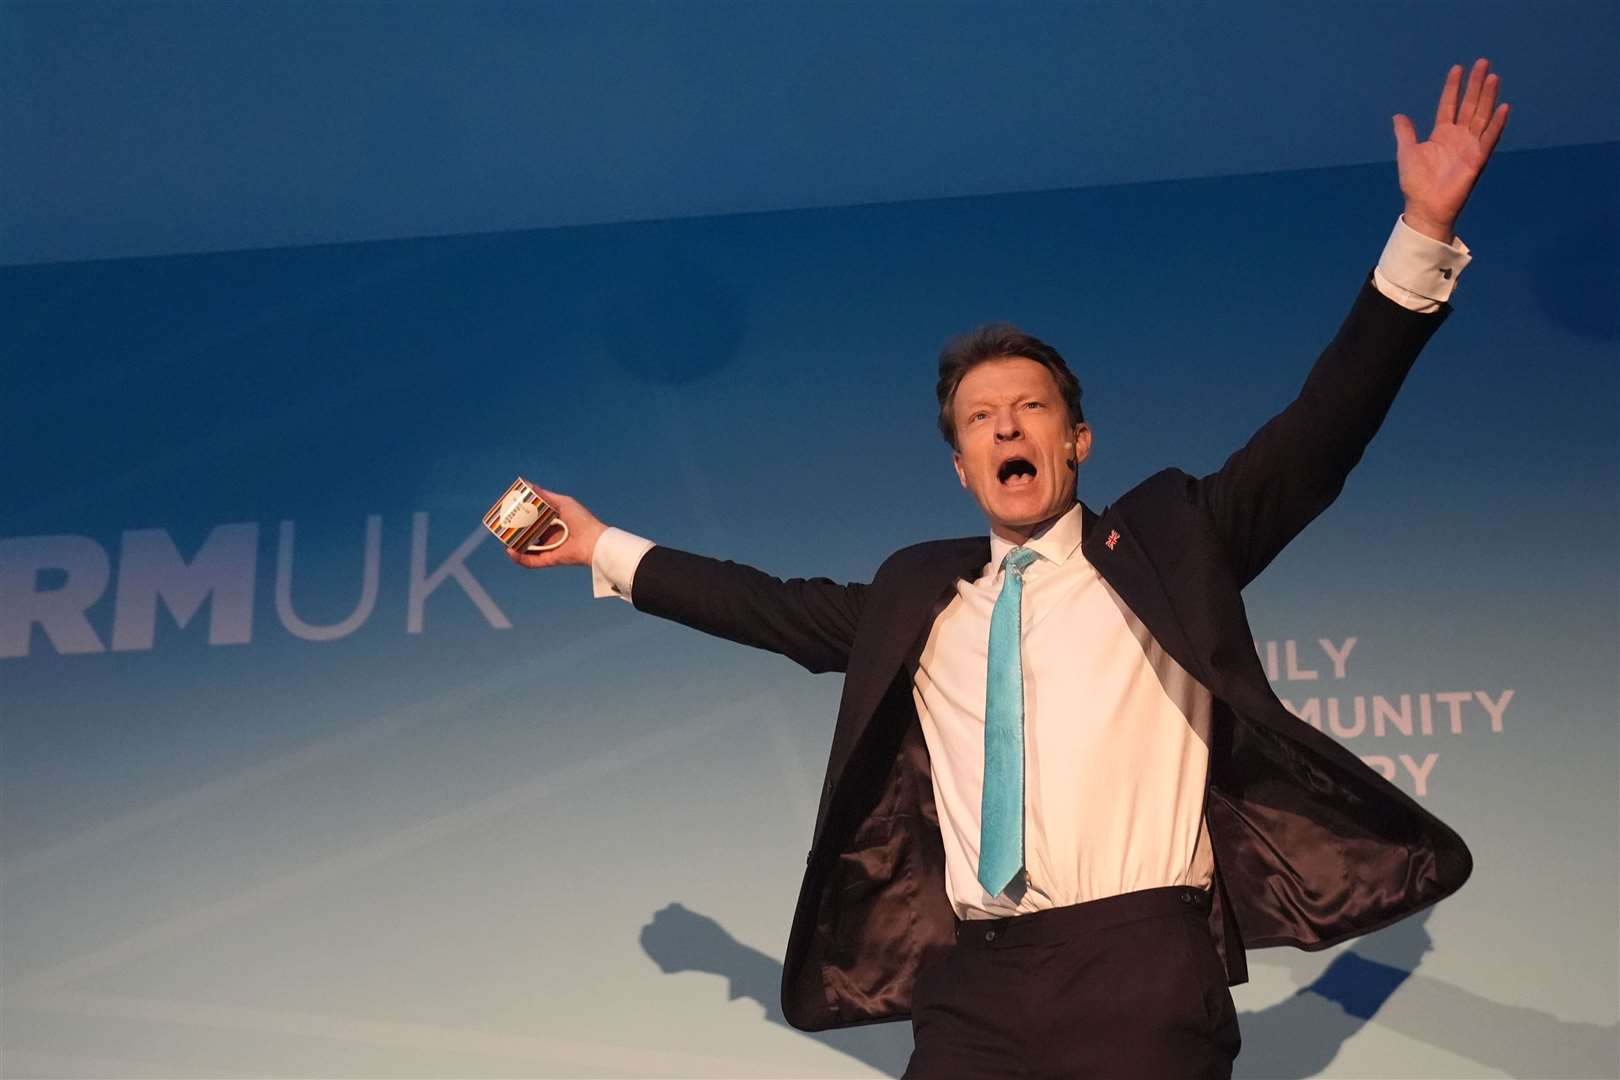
<point>614,561</point>
<point>1417,271</point>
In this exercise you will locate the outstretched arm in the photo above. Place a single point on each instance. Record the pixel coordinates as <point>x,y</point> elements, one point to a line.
<point>811,621</point>
<point>1295,465</point>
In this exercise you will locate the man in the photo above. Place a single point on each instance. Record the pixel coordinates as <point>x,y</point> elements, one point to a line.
<point>1061,798</point>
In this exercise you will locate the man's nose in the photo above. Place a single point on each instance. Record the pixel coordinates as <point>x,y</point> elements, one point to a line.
<point>1007,427</point>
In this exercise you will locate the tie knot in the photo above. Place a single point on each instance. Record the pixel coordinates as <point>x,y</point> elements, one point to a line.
<point>1019,558</point>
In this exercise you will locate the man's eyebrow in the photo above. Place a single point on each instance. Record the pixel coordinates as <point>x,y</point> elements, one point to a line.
<point>1030,395</point>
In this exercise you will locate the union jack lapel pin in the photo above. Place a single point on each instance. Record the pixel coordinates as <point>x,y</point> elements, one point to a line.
<point>1113,538</point>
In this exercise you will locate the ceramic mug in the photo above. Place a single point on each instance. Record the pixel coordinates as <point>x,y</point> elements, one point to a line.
<point>520,516</point>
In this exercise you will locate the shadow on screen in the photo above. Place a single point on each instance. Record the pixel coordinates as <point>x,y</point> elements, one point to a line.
<point>1297,1037</point>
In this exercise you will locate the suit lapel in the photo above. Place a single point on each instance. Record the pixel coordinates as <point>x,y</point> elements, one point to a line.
<point>897,636</point>
<point>1114,548</point>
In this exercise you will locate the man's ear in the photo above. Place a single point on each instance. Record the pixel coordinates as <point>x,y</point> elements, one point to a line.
<point>1082,443</point>
<point>961,477</point>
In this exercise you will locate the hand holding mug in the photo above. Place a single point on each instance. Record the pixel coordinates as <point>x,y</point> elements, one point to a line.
<point>542,528</point>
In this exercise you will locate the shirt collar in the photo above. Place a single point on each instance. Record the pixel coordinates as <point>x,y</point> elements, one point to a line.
<point>1055,541</point>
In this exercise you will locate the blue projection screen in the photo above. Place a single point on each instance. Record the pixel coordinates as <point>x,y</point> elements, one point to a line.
<point>299,776</point>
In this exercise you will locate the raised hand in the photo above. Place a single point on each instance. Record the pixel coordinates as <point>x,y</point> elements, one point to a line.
<point>1438,175</point>
<point>583,531</point>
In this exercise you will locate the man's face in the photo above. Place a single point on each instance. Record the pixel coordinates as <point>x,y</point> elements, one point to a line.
<point>1011,427</point>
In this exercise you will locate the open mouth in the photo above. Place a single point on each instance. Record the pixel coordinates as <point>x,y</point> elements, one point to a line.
<point>1016,472</point>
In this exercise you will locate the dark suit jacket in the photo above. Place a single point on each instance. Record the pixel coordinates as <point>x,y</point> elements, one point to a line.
<point>1311,846</point>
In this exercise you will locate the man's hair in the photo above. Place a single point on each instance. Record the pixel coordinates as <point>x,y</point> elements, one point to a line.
<point>996,341</point>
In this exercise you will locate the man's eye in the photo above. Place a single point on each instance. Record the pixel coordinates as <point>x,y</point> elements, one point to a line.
<point>1034,405</point>
<point>977,416</point>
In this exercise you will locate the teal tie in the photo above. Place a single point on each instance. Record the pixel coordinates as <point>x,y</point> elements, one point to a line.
<point>1001,811</point>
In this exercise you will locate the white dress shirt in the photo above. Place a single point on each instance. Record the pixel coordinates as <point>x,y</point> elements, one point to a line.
<point>1116,737</point>
<point>1116,732</point>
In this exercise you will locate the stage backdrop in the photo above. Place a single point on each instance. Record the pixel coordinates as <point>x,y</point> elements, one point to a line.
<point>301,777</point>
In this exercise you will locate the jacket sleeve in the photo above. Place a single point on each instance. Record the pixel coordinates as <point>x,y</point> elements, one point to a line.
<point>1296,464</point>
<point>811,621</point>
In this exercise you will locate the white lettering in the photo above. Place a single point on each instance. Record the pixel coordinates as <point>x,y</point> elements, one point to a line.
<point>1419,773</point>
<point>1495,708</point>
<point>1338,729</point>
<point>1291,655</point>
<point>1337,656</point>
<point>1270,653</point>
<point>371,561</point>
<point>60,612</point>
<point>1384,711</point>
<point>150,567</point>
<point>1455,698</point>
<point>423,583</point>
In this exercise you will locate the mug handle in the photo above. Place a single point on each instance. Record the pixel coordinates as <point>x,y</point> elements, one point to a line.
<point>535,549</point>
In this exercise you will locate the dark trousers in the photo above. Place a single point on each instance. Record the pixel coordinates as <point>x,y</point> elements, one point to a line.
<point>1128,987</point>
